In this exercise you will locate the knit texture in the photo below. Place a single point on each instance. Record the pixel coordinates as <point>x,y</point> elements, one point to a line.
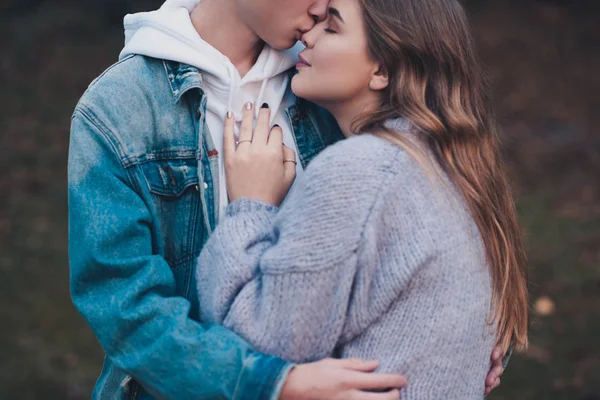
<point>368,257</point>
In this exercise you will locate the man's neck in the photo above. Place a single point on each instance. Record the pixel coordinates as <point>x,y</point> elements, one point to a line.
<point>219,24</point>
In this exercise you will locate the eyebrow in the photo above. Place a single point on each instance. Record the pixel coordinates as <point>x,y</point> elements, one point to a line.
<point>334,11</point>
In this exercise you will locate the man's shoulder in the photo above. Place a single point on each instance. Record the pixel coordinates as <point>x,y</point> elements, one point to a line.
<point>133,68</point>
<point>132,74</point>
<point>130,97</point>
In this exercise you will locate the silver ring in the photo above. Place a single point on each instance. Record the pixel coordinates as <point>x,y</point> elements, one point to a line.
<point>286,160</point>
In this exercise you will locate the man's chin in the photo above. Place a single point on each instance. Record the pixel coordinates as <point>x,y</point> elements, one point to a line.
<point>282,45</point>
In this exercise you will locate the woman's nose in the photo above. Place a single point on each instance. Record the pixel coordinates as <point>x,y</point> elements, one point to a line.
<point>309,37</point>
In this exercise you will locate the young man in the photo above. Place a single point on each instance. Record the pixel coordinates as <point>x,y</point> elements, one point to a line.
<point>146,188</point>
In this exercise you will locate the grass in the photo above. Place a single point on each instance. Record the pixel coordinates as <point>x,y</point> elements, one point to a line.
<point>563,359</point>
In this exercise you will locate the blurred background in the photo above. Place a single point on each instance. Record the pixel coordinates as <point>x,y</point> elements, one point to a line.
<point>544,58</point>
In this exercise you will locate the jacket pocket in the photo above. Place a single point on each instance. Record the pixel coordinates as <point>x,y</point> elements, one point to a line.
<point>173,186</point>
<point>171,178</point>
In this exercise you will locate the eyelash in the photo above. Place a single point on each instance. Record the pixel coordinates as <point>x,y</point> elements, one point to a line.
<point>329,30</point>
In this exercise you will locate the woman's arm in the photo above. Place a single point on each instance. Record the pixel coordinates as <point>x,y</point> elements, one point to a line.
<point>282,278</point>
<point>286,279</point>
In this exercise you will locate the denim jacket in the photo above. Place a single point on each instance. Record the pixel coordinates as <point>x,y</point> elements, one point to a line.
<point>142,176</point>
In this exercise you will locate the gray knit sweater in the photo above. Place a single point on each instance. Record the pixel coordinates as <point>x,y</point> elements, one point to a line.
<point>367,257</point>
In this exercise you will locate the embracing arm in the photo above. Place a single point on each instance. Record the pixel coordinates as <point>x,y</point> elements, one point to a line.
<point>285,276</point>
<point>294,311</point>
<point>128,296</point>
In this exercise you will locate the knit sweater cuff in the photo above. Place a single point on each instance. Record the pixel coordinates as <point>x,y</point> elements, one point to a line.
<point>246,205</point>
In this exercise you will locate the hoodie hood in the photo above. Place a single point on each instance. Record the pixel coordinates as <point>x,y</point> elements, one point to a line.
<point>168,34</point>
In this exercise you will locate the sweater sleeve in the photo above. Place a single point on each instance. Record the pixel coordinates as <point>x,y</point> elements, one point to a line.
<point>283,278</point>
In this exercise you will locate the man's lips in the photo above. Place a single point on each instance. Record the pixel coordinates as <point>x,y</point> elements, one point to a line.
<point>301,32</point>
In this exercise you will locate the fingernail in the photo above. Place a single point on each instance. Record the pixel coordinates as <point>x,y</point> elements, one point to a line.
<point>229,114</point>
<point>276,126</point>
<point>248,105</point>
<point>264,105</point>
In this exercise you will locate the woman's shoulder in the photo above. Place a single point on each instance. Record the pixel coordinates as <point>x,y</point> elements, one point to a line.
<point>366,152</point>
<point>356,154</point>
<point>358,160</point>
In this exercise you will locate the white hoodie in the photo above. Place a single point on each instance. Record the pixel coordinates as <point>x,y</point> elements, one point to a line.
<point>168,34</point>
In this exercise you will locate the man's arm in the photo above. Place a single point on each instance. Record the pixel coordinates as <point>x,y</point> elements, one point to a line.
<point>499,363</point>
<point>128,296</point>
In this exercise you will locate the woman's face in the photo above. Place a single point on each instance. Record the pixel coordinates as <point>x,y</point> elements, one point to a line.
<point>335,66</point>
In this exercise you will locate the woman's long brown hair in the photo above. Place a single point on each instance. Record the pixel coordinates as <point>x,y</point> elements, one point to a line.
<point>436,81</point>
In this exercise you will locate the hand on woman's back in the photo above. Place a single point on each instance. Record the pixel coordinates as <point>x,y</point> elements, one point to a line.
<point>345,379</point>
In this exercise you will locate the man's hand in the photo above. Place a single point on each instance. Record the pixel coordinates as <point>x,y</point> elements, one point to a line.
<point>493,378</point>
<point>344,379</point>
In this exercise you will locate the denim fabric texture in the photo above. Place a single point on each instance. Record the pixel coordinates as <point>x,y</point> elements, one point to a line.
<point>142,177</point>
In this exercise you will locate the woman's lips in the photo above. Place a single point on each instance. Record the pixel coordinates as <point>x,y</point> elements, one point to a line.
<point>302,63</point>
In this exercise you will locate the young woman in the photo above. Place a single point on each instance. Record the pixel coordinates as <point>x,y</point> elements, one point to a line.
<point>399,243</point>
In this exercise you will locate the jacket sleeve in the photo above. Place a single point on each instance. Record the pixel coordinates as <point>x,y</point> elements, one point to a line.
<point>128,296</point>
<point>285,276</point>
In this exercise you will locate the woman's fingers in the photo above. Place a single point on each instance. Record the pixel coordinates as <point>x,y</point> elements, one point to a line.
<point>289,162</point>
<point>246,126</point>
<point>276,137</point>
<point>228,134</point>
<point>261,130</point>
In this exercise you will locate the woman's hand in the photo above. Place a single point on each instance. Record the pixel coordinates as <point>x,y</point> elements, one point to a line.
<point>345,379</point>
<point>258,166</point>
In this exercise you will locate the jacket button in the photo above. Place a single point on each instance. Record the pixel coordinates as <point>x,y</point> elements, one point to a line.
<point>205,185</point>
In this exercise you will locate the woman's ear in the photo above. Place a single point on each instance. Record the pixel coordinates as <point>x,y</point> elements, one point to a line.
<point>379,79</point>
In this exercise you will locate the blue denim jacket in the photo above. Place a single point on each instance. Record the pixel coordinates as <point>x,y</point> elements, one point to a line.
<point>142,168</point>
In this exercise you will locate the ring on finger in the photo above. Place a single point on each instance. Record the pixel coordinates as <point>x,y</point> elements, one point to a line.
<point>288,160</point>
<point>237,143</point>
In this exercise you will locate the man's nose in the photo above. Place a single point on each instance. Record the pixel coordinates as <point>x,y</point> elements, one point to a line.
<point>318,10</point>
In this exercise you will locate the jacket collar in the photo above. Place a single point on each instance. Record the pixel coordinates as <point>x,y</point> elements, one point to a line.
<point>182,78</point>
